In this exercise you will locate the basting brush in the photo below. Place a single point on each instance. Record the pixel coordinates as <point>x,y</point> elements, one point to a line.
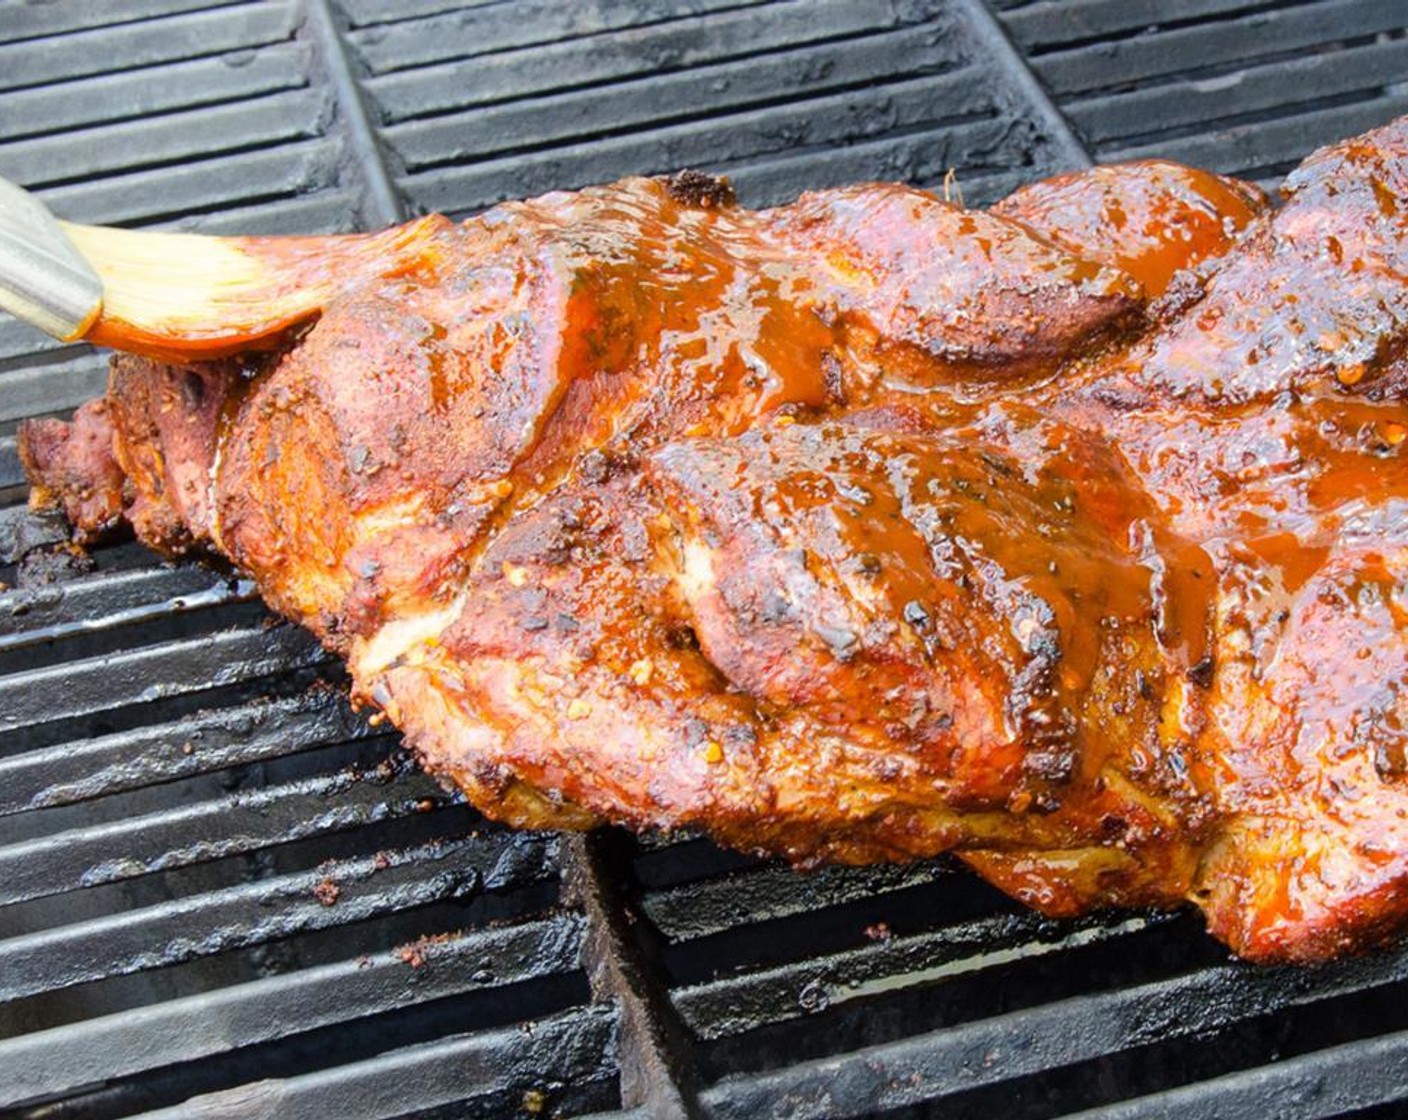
<point>181,296</point>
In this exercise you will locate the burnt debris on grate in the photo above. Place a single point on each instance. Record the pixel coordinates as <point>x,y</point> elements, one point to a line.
<point>223,893</point>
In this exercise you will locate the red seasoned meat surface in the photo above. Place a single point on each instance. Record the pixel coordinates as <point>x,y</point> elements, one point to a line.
<point>1070,536</point>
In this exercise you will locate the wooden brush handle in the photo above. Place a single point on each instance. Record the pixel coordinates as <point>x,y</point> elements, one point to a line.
<point>44,279</point>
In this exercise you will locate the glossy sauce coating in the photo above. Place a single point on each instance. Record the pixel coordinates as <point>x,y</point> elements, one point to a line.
<point>1150,219</point>
<point>864,528</point>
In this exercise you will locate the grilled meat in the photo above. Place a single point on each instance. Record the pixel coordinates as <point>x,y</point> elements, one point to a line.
<point>1069,536</point>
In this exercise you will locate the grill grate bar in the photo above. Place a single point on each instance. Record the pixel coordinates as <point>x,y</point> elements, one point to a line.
<point>700,909</point>
<point>194,1027</point>
<point>1270,143</point>
<point>140,95</point>
<point>194,133</point>
<point>924,156</point>
<point>656,1073</point>
<point>230,736</point>
<point>34,614</point>
<point>95,684</point>
<point>79,54</point>
<point>221,595</point>
<point>735,1004</point>
<point>1259,35</point>
<point>152,194</point>
<point>122,633</point>
<point>1333,1082</point>
<point>666,859</point>
<point>573,1051</point>
<point>198,832</point>
<point>364,13</point>
<point>926,105</point>
<point>11,473</point>
<point>1048,24</point>
<point>59,385</point>
<point>529,23</point>
<point>332,211</point>
<point>658,100</point>
<point>663,49</point>
<point>1287,84</point>
<point>942,1063</point>
<point>269,909</point>
<point>31,21</point>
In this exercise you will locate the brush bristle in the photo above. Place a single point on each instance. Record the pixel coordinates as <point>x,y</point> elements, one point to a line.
<point>183,296</point>
<point>165,292</point>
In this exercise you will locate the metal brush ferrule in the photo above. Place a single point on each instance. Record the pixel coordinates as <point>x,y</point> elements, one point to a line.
<point>44,280</point>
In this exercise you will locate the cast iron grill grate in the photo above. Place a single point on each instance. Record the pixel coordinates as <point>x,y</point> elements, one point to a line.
<point>1245,87</point>
<point>222,893</point>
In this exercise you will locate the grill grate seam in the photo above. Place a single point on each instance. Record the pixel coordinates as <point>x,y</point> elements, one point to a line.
<point>657,1073</point>
<point>382,202</point>
<point>991,35</point>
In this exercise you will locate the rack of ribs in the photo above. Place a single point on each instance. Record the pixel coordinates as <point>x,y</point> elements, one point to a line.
<point>1070,536</point>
